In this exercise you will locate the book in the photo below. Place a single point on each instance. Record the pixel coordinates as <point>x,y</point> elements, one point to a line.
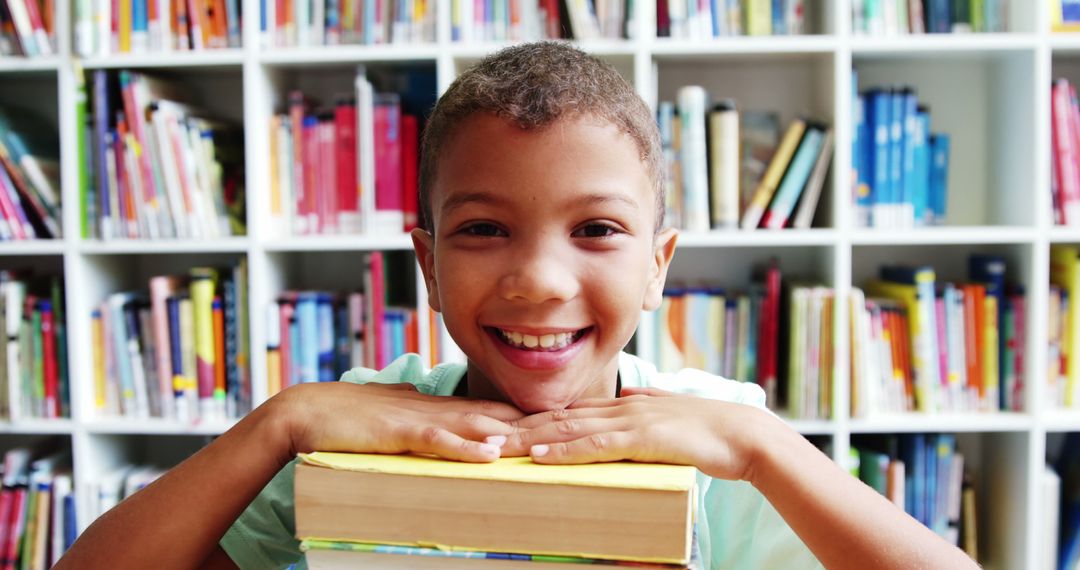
<point>349,497</point>
<point>795,179</point>
<point>763,194</point>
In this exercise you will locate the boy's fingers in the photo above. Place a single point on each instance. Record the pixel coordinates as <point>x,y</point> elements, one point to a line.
<point>544,418</point>
<point>490,408</point>
<point>474,425</point>
<point>595,448</point>
<point>448,445</point>
<point>572,429</point>
<point>608,402</point>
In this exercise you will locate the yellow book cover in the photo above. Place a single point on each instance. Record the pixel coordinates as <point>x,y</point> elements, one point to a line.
<point>908,296</point>
<point>763,194</point>
<point>759,17</point>
<point>990,353</point>
<point>1065,273</point>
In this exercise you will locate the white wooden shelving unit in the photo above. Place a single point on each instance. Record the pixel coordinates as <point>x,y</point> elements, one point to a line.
<point>990,92</point>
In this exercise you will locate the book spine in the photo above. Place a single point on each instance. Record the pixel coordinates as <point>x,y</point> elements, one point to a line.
<point>724,165</point>
<point>692,101</point>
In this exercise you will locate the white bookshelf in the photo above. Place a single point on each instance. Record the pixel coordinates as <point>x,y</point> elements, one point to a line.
<point>990,92</point>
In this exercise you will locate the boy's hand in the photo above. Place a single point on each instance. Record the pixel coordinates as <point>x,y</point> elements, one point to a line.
<point>379,418</point>
<point>646,425</point>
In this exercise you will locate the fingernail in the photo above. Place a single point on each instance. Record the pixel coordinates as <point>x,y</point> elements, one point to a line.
<point>496,440</point>
<point>539,450</point>
<point>489,449</point>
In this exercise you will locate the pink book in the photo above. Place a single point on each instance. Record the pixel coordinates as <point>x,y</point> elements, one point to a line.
<point>1069,155</point>
<point>1019,315</point>
<point>1064,167</point>
<point>161,288</point>
<point>137,123</point>
<point>308,206</point>
<point>15,218</point>
<point>328,186</point>
<point>389,196</point>
<point>348,189</point>
<point>942,344</point>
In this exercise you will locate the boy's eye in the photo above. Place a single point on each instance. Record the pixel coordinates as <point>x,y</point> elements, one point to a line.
<point>595,231</point>
<point>484,230</point>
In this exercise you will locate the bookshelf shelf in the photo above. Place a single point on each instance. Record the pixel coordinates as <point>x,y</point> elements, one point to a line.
<point>950,423</point>
<point>989,91</point>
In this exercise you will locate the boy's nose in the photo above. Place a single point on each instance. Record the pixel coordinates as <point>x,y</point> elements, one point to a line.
<point>539,275</point>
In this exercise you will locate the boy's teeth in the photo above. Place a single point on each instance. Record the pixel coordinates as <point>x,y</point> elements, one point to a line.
<point>554,341</point>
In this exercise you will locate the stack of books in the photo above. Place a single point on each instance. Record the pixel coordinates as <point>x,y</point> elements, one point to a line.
<point>291,23</point>
<point>33,364</point>
<point>531,20</point>
<point>776,183</point>
<point>102,28</point>
<point>385,511</point>
<point>29,177</point>
<point>920,347</point>
<point>346,168</point>
<point>924,475</point>
<point>1063,389</point>
<point>180,353</point>
<point>27,28</point>
<point>37,507</point>
<point>684,20</point>
<point>900,17</point>
<point>160,168</point>
<point>900,168</point>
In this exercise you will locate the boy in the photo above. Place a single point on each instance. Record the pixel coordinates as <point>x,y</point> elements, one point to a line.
<point>541,188</point>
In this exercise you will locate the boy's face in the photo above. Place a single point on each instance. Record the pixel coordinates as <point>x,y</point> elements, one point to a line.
<point>544,253</point>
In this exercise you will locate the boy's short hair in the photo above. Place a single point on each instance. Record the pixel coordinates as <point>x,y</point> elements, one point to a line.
<point>533,85</point>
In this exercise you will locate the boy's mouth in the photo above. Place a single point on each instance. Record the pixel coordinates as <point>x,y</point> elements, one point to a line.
<point>551,342</point>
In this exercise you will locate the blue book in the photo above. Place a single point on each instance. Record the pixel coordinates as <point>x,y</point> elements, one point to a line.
<point>931,485</point>
<point>918,488</point>
<point>342,346</point>
<point>118,324</point>
<point>139,24</point>
<point>71,529</point>
<point>230,315</point>
<point>879,122</point>
<point>232,22</point>
<point>907,196</point>
<point>938,16</point>
<point>779,23</point>
<point>717,7</point>
<point>946,451</point>
<point>896,156</point>
<point>791,186</point>
<point>172,306</point>
<point>308,329</point>
<point>325,317</point>
<point>369,24</point>
<point>921,169</point>
<point>939,175</point>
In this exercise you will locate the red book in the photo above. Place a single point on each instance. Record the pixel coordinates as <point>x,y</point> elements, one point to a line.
<point>287,311</point>
<point>768,334</point>
<point>663,20</point>
<point>306,203</point>
<point>410,154</point>
<point>374,347</point>
<point>326,198</point>
<point>1064,150</point>
<point>16,525</point>
<point>553,24</point>
<point>388,195</point>
<point>348,187</point>
<point>48,353</point>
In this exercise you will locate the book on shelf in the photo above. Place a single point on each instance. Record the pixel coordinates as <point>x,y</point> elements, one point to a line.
<point>748,335</point>
<point>724,18</point>
<point>37,507</point>
<point>442,347</point>
<point>626,511</point>
<point>1064,15</point>
<point>119,483</point>
<point>161,168</point>
<point>1068,468</point>
<point>103,28</point>
<point>1064,340</point>
<point>347,168</point>
<point>286,23</point>
<point>34,379</point>
<point>776,184</point>
<point>920,345</point>
<point>28,28</point>
<point>29,177</point>
<point>1065,151</point>
<point>903,17</point>
<point>180,352</point>
<point>923,474</point>
<point>900,167</point>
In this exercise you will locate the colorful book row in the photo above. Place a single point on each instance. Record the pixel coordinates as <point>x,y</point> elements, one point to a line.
<point>726,169</point>
<point>924,475</point>
<point>954,348</point>
<point>698,20</point>
<point>180,353</point>
<point>348,168</point>
<point>315,336</point>
<point>781,340</point>
<point>299,23</point>
<point>899,17</point>
<point>155,166</point>
<point>899,166</point>
<point>27,27</point>
<point>29,177</point>
<point>37,508</point>
<point>105,27</point>
<point>1063,389</point>
<point>530,20</point>
<point>34,380</point>
<point>1065,149</point>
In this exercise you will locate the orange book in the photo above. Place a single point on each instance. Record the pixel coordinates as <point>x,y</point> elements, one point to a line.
<point>903,332</point>
<point>221,27</point>
<point>412,333</point>
<point>974,303</point>
<point>433,338</point>
<point>677,322</point>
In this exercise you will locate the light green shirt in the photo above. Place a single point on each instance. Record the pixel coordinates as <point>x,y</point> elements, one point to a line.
<point>736,526</point>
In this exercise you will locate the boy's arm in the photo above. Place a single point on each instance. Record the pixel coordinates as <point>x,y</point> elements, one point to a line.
<point>185,513</point>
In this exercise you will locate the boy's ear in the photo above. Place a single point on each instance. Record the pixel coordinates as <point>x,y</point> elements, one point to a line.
<point>424,244</point>
<point>663,251</point>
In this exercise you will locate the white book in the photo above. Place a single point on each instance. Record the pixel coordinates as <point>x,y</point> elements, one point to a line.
<point>164,123</point>
<point>365,148</point>
<point>20,18</point>
<point>14,295</point>
<point>1050,497</point>
<point>318,22</point>
<point>62,489</point>
<point>692,102</point>
<point>267,37</point>
<point>724,158</point>
<point>285,177</point>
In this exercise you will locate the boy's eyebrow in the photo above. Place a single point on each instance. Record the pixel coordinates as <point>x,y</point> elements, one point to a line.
<point>458,200</point>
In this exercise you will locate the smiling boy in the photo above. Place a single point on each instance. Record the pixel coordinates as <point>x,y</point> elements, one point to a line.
<point>541,188</point>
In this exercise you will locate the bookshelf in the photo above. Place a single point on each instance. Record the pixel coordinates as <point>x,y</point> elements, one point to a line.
<point>990,91</point>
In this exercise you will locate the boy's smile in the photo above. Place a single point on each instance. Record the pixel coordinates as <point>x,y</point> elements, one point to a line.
<point>543,256</point>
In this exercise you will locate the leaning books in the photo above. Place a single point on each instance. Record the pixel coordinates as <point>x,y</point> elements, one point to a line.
<point>622,511</point>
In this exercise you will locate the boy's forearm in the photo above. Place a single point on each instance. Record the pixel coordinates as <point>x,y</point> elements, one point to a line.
<point>845,523</point>
<point>178,520</point>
